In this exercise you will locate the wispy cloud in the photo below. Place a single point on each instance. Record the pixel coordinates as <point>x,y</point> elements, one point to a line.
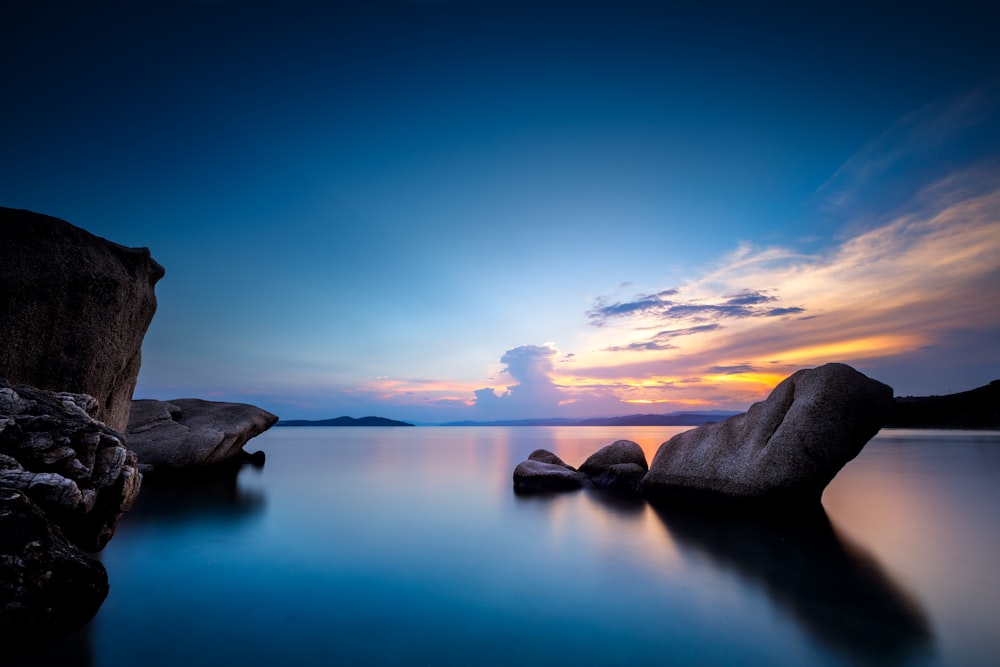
<point>875,299</point>
<point>658,308</point>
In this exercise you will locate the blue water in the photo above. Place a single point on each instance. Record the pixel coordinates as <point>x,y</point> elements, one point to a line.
<point>381,546</point>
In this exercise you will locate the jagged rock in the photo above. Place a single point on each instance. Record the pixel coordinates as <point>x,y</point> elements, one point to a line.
<point>783,450</point>
<point>544,471</point>
<point>73,466</point>
<point>48,586</point>
<point>619,466</point>
<point>190,434</point>
<point>73,310</point>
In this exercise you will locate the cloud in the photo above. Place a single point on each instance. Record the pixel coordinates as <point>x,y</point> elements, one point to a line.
<point>533,392</point>
<point>876,298</point>
<point>640,304</point>
<point>660,340</point>
<point>914,148</point>
<point>743,304</point>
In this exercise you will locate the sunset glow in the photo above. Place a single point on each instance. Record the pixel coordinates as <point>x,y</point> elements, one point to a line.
<point>443,211</point>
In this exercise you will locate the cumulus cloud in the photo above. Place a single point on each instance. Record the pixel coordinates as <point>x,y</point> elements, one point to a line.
<point>533,393</point>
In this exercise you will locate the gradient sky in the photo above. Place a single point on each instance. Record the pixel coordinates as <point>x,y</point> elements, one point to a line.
<point>480,210</point>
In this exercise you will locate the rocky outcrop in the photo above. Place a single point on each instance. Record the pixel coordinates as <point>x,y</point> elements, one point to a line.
<point>783,450</point>
<point>48,586</point>
<point>73,310</point>
<point>73,466</point>
<point>544,471</point>
<point>190,434</point>
<point>619,466</point>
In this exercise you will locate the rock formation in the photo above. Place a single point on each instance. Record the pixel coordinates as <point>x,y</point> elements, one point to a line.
<point>48,586</point>
<point>71,465</point>
<point>544,471</point>
<point>785,449</point>
<point>189,434</point>
<point>619,466</point>
<point>73,310</point>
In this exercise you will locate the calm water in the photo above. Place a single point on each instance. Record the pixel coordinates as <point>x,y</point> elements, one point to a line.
<point>370,546</point>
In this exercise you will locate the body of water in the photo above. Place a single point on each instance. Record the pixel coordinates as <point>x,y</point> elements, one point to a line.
<point>407,546</point>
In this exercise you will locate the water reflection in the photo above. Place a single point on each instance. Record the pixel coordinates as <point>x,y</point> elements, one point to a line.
<point>835,590</point>
<point>202,498</point>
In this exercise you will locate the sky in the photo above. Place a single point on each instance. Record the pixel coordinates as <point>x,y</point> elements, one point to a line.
<point>478,210</point>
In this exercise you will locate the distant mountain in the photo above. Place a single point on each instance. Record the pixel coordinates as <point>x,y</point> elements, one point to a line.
<point>976,408</point>
<point>669,419</point>
<point>343,421</point>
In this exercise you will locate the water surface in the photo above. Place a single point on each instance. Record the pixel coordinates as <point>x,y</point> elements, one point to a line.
<point>382,546</point>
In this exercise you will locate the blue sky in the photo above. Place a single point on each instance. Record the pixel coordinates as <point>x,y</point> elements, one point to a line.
<point>478,210</point>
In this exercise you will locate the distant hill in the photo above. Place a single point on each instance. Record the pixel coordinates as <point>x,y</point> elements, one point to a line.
<point>343,421</point>
<point>669,419</point>
<point>976,408</point>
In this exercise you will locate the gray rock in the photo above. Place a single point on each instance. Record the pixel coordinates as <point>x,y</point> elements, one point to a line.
<point>48,586</point>
<point>543,471</point>
<point>73,310</point>
<point>190,434</point>
<point>619,466</point>
<point>73,466</point>
<point>785,449</point>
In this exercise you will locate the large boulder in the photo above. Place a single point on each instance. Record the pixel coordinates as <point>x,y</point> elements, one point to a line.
<point>73,310</point>
<point>783,450</point>
<point>543,471</point>
<point>48,586</point>
<point>73,466</point>
<point>191,435</point>
<point>619,466</point>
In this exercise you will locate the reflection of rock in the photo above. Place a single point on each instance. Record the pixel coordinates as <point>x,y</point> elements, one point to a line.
<point>544,471</point>
<point>74,467</point>
<point>204,498</point>
<point>48,586</point>
<point>73,310</point>
<point>619,466</point>
<point>188,434</point>
<point>783,450</point>
<point>838,593</point>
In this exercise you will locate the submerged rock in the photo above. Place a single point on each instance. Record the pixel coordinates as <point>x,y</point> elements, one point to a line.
<point>48,586</point>
<point>544,471</point>
<point>73,466</point>
<point>619,466</point>
<point>190,434</point>
<point>785,449</point>
<point>73,310</point>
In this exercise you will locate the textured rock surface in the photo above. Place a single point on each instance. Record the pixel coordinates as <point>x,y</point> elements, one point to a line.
<point>785,448</point>
<point>544,471</point>
<point>619,466</point>
<point>74,467</point>
<point>48,587</point>
<point>73,310</point>
<point>189,434</point>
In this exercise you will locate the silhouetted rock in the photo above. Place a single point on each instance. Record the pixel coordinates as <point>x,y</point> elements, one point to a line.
<point>190,434</point>
<point>48,587</point>
<point>786,448</point>
<point>619,466</point>
<point>976,408</point>
<point>544,471</point>
<point>73,466</point>
<point>73,310</point>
